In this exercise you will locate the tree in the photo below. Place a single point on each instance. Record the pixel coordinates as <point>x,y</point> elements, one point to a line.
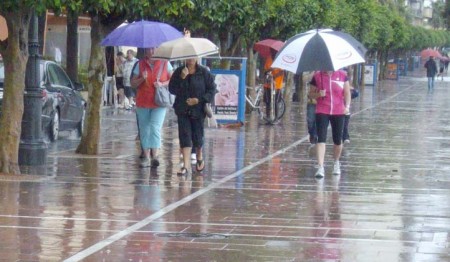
<point>14,51</point>
<point>105,16</point>
<point>438,19</point>
<point>447,14</point>
<point>72,44</point>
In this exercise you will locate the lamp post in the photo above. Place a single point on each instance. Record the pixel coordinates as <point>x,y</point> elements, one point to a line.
<point>32,147</point>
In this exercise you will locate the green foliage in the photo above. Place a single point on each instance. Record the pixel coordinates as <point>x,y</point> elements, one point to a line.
<point>438,19</point>
<point>379,25</point>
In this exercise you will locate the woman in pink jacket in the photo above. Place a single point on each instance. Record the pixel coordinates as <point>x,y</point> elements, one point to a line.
<point>332,92</point>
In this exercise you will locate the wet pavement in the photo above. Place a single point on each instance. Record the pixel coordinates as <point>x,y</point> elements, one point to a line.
<point>256,200</point>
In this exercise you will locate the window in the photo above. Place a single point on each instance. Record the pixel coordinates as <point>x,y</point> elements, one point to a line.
<point>58,77</point>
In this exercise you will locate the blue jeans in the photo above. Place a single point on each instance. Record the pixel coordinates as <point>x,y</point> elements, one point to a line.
<point>150,122</point>
<point>430,83</point>
<point>311,119</point>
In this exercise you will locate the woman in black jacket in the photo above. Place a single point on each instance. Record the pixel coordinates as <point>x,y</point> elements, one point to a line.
<point>193,85</point>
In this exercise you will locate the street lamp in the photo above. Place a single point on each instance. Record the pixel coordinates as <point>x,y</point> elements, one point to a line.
<point>32,147</point>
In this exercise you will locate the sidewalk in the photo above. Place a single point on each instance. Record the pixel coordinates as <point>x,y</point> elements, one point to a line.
<point>257,199</point>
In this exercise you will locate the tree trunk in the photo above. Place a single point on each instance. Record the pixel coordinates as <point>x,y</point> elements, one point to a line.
<point>227,50</point>
<point>251,74</point>
<point>224,51</point>
<point>90,139</point>
<point>72,45</point>
<point>299,88</point>
<point>363,80</point>
<point>289,80</point>
<point>382,67</point>
<point>15,56</point>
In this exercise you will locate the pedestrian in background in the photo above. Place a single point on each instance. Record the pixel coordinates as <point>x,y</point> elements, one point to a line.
<point>129,63</point>
<point>193,86</point>
<point>446,62</point>
<point>332,92</point>
<point>150,117</point>
<point>441,69</point>
<point>345,134</point>
<point>431,67</point>
<point>276,76</point>
<point>120,61</point>
<point>311,118</point>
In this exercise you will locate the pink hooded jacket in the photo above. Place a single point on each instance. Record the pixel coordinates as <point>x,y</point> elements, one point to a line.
<point>333,101</point>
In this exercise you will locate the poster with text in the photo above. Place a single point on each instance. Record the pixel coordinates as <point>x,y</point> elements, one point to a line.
<point>368,74</point>
<point>226,98</point>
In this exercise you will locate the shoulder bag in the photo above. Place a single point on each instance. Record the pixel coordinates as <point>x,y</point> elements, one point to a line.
<point>163,98</point>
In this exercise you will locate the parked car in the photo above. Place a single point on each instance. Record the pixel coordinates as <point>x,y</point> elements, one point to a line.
<point>63,108</point>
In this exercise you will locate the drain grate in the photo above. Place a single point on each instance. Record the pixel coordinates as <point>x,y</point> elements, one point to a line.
<point>193,235</point>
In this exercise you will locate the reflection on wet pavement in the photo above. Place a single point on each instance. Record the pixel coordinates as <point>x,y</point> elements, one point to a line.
<point>256,200</point>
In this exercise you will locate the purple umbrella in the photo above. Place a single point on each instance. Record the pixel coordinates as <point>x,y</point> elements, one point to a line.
<point>142,34</point>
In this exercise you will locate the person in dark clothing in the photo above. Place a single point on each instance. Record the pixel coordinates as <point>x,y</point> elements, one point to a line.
<point>193,86</point>
<point>431,67</point>
<point>446,62</point>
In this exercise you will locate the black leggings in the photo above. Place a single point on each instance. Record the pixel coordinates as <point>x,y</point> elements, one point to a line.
<point>190,131</point>
<point>337,127</point>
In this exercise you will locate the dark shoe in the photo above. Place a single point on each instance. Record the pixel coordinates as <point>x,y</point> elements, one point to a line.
<point>142,155</point>
<point>155,162</point>
<point>200,165</point>
<point>183,172</point>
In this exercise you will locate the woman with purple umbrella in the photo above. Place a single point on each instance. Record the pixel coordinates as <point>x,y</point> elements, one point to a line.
<point>150,116</point>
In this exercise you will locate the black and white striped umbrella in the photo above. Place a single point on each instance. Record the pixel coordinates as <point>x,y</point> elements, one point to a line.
<point>319,49</point>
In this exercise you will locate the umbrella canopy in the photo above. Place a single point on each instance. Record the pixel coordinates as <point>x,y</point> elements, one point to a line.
<point>185,48</point>
<point>321,49</point>
<point>142,34</point>
<point>426,53</point>
<point>267,47</point>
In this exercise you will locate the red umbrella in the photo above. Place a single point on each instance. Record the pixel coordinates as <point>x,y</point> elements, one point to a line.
<point>267,47</point>
<point>426,53</point>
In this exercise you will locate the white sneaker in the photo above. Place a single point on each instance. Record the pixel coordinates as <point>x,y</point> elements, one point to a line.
<point>337,168</point>
<point>320,172</point>
<point>145,162</point>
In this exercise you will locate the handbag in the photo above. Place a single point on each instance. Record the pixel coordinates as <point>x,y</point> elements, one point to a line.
<point>354,93</point>
<point>163,98</point>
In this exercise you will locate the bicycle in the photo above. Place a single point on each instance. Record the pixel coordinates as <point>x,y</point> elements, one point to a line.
<point>259,104</point>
